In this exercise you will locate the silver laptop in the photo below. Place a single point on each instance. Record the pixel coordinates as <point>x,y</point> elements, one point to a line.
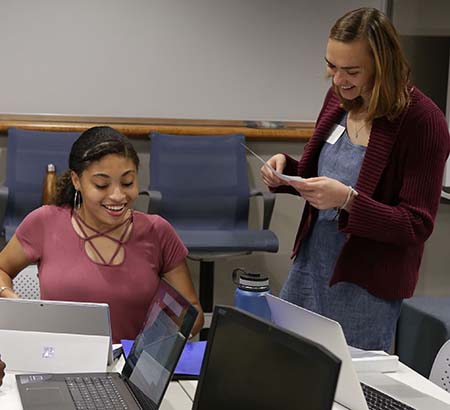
<point>144,379</point>
<point>349,392</point>
<point>45,336</point>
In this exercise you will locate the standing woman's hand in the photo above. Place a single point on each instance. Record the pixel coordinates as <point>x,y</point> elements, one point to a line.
<point>278,163</point>
<point>324,193</point>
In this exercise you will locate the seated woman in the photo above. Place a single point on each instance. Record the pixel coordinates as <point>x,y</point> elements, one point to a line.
<point>92,246</point>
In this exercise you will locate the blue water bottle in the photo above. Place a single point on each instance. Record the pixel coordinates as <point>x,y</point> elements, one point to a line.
<point>250,292</point>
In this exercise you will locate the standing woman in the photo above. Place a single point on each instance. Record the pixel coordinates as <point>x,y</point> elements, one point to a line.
<point>373,176</point>
<point>92,246</point>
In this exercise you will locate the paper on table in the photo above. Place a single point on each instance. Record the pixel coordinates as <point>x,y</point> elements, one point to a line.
<point>373,360</point>
<point>126,346</point>
<point>191,359</point>
<point>278,174</point>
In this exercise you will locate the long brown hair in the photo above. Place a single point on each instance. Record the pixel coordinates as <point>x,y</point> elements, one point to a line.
<point>390,94</point>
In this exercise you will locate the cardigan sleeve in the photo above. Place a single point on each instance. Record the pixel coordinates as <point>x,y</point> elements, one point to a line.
<point>411,220</point>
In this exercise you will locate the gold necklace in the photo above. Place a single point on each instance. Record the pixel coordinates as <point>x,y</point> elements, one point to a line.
<point>357,131</point>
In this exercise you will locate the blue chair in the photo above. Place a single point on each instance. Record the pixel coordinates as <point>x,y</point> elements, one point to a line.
<point>28,154</point>
<point>201,188</point>
<point>422,329</point>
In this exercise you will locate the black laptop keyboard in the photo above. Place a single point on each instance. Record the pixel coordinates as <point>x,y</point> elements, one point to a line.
<point>377,400</point>
<point>95,393</point>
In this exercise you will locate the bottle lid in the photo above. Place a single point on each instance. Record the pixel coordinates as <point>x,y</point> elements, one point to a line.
<point>251,281</point>
<point>51,168</point>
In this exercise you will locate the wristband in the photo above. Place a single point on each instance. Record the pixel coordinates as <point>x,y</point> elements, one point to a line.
<point>351,193</point>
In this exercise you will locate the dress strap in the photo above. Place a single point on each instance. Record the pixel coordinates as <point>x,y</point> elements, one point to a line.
<point>97,234</point>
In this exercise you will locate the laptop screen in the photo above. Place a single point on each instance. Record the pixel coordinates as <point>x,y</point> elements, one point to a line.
<point>252,364</point>
<point>45,335</point>
<point>157,348</point>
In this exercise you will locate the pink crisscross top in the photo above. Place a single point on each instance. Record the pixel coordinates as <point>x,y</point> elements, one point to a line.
<point>67,273</point>
<point>97,234</point>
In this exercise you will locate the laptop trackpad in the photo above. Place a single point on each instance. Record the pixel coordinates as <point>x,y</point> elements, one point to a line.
<point>402,392</point>
<point>395,388</point>
<point>45,398</point>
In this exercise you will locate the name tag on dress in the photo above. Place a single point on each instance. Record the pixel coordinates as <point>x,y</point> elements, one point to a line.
<point>335,133</point>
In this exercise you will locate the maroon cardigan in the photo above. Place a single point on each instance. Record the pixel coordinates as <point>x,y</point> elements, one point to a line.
<point>399,188</point>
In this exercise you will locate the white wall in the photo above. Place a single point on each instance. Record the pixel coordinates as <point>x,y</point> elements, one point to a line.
<point>218,59</point>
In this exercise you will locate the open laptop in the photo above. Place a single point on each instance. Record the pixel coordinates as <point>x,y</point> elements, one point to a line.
<point>145,376</point>
<point>349,392</point>
<point>45,336</point>
<point>250,363</point>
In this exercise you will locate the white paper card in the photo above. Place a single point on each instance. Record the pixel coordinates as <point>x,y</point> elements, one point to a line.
<point>278,174</point>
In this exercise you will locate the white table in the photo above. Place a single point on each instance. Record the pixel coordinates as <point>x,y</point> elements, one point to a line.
<point>179,395</point>
<point>404,375</point>
<point>416,380</point>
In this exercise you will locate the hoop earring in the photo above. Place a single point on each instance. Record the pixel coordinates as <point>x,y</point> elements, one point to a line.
<point>77,200</point>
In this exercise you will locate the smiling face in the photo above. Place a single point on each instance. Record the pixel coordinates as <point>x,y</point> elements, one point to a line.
<point>351,68</point>
<point>108,188</point>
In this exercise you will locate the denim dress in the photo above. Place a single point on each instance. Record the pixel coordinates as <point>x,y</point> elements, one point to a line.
<point>368,322</point>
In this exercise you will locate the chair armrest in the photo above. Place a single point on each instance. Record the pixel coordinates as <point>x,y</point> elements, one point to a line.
<point>155,201</point>
<point>3,201</point>
<point>269,203</point>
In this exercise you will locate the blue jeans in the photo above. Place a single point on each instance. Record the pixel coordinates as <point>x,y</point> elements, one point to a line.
<point>368,322</point>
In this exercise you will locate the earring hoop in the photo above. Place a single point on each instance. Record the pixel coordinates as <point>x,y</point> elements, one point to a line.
<point>77,200</point>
